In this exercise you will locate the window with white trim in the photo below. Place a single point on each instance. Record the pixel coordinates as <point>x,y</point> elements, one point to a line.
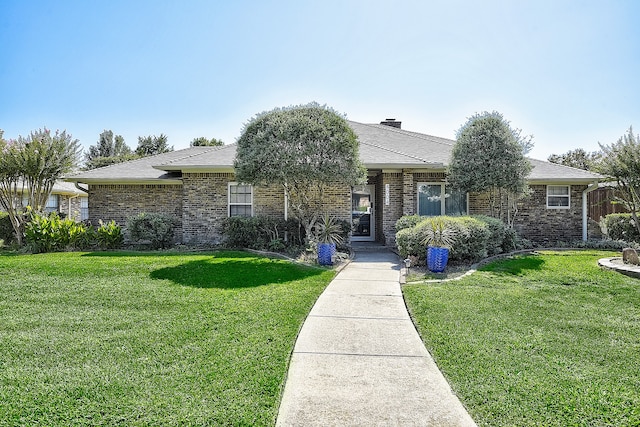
<point>558,196</point>
<point>84,208</point>
<point>53,203</point>
<point>240,199</point>
<point>431,195</point>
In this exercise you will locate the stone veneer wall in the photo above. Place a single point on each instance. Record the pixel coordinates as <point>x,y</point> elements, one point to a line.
<point>537,223</point>
<point>120,201</point>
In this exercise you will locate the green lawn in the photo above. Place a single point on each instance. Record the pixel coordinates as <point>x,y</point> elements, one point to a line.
<point>539,340</point>
<point>148,339</point>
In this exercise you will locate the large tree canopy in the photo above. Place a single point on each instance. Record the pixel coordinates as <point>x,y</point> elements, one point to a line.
<point>488,157</point>
<point>302,148</point>
<point>202,141</point>
<point>152,145</point>
<point>31,166</point>
<point>621,163</point>
<point>578,158</point>
<point>107,151</point>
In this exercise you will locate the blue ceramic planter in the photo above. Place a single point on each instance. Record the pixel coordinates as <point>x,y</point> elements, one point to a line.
<point>437,259</point>
<point>325,252</point>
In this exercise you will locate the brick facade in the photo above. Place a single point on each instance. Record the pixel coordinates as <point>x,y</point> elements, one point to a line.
<point>200,205</point>
<point>121,201</point>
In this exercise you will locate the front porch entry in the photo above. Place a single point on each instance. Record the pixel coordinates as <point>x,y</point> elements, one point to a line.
<point>363,213</point>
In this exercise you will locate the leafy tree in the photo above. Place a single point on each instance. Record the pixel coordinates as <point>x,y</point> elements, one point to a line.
<point>305,149</point>
<point>31,166</point>
<point>203,141</point>
<point>621,163</point>
<point>152,145</point>
<point>577,158</point>
<point>107,151</point>
<point>488,157</point>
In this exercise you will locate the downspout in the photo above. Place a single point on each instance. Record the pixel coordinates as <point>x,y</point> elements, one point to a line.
<point>585,210</point>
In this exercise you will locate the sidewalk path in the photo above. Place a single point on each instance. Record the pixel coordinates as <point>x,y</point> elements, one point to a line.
<point>359,361</point>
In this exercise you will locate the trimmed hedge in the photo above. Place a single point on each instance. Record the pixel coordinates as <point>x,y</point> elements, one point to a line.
<point>620,226</point>
<point>154,228</point>
<point>7,234</point>
<point>476,237</point>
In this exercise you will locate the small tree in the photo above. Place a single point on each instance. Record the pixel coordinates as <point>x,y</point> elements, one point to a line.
<point>152,145</point>
<point>107,151</point>
<point>304,149</point>
<point>31,166</point>
<point>488,157</point>
<point>621,163</point>
<point>204,142</point>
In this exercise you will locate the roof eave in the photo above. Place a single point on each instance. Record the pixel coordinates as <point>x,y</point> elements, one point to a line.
<point>562,181</point>
<point>125,181</point>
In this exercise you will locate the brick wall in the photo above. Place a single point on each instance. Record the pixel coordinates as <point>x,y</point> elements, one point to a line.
<point>393,211</point>
<point>537,223</point>
<point>119,202</point>
<point>70,207</point>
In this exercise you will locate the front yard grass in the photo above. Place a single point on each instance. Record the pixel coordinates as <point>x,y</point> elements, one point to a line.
<point>538,340</point>
<point>148,339</point>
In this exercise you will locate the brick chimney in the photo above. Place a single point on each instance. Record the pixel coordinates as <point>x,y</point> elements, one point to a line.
<point>392,122</point>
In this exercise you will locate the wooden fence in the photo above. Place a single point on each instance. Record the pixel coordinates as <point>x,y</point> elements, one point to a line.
<point>600,205</point>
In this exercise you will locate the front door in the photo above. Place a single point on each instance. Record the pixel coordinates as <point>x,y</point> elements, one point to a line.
<point>363,214</point>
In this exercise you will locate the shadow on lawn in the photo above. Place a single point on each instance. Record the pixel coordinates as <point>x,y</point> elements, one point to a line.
<point>515,266</point>
<point>234,273</point>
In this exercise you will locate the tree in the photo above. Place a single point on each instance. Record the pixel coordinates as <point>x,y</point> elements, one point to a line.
<point>152,145</point>
<point>621,163</point>
<point>305,149</point>
<point>488,157</point>
<point>577,158</point>
<point>203,142</point>
<point>31,166</point>
<point>108,151</point>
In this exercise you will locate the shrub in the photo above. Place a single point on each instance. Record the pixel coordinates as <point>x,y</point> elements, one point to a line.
<point>501,238</point>
<point>408,221</point>
<point>262,233</point>
<point>620,226</point>
<point>108,235</point>
<point>470,243</point>
<point>48,233</point>
<point>154,228</point>
<point>6,228</point>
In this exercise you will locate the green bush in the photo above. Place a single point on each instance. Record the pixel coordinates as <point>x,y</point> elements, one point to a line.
<point>156,229</point>
<point>408,221</point>
<point>49,233</point>
<point>501,238</point>
<point>6,228</point>
<point>469,240</point>
<point>262,233</point>
<point>620,226</point>
<point>108,235</point>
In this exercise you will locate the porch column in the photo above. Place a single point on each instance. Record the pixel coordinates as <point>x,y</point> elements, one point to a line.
<point>408,193</point>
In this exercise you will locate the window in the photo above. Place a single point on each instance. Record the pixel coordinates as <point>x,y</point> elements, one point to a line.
<point>84,208</point>
<point>431,195</point>
<point>240,199</point>
<point>53,203</point>
<point>558,196</point>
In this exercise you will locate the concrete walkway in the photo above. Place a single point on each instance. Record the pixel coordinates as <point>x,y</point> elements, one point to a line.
<point>359,361</point>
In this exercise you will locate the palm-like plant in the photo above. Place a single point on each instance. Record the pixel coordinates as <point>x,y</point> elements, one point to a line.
<point>437,233</point>
<point>329,230</point>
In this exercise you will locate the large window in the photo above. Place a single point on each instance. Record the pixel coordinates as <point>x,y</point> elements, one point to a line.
<point>240,199</point>
<point>431,195</point>
<point>558,196</point>
<point>53,203</point>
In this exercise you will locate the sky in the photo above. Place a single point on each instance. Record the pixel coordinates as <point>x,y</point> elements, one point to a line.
<point>564,71</point>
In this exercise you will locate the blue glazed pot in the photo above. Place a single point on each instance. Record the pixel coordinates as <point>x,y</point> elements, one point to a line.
<point>325,252</point>
<point>437,259</point>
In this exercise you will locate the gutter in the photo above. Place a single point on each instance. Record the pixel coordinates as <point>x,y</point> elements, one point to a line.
<point>585,209</point>
<point>77,185</point>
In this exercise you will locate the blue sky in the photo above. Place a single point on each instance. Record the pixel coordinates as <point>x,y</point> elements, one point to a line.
<point>564,71</point>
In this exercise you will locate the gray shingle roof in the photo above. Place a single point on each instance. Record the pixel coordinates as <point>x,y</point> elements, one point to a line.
<point>381,147</point>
